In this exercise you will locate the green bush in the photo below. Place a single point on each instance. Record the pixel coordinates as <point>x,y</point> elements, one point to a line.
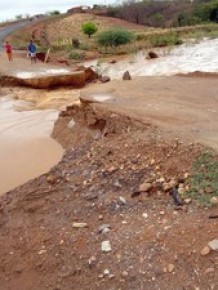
<point>76,55</point>
<point>89,28</point>
<point>165,39</point>
<point>114,38</point>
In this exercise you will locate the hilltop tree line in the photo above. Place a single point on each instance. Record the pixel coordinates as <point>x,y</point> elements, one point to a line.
<point>169,13</point>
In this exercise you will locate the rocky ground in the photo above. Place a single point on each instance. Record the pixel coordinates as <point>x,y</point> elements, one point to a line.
<point>113,214</point>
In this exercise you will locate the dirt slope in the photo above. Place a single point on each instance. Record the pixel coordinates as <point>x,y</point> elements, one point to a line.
<point>153,246</point>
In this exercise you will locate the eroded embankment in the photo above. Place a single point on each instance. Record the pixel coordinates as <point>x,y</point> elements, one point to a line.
<point>112,185</point>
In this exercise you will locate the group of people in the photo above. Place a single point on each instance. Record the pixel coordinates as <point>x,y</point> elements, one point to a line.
<point>31,51</point>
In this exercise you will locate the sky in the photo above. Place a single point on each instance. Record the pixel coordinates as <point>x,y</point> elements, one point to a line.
<point>9,9</point>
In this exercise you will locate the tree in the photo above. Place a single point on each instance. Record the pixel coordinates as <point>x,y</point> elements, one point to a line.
<point>54,13</point>
<point>114,38</point>
<point>89,28</point>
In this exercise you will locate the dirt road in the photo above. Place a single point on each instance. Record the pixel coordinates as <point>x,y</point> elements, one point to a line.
<point>186,106</point>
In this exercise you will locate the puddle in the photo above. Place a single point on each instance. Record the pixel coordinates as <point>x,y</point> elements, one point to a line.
<point>26,148</point>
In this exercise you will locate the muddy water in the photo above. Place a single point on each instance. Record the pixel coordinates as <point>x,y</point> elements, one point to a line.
<point>26,148</point>
<point>186,58</point>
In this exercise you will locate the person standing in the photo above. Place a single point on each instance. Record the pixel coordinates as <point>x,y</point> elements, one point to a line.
<point>8,50</point>
<point>31,50</point>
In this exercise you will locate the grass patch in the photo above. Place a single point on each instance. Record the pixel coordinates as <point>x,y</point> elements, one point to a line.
<point>204,180</point>
<point>76,55</point>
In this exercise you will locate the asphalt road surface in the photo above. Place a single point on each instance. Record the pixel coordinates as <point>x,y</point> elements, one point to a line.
<point>4,32</point>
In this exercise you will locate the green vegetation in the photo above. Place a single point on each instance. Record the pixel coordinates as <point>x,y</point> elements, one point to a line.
<point>167,39</point>
<point>204,180</point>
<point>89,28</point>
<point>76,55</point>
<point>114,38</point>
<point>53,13</point>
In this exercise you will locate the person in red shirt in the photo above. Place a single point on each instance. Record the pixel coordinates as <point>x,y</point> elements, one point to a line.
<point>8,50</point>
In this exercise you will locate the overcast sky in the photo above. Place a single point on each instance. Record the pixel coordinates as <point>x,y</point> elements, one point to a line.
<point>9,9</point>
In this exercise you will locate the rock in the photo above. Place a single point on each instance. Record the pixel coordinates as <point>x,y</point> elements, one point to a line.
<point>152,161</point>
<point>173,183</point>
<point>122,200</point>
<point>214,200</point>
<point>125,274</point>
<point>90,74</point>
<point>126,76</point>
<point>205,251</point>
<point>80,225</point>
<point>101,228</point>
<point>152,54</point>
<point>162,212</point>
<point>71,124</point>
<point>113,61</point>
<point>187,200</point>
<point>145,215</point>
<point>170,268</point>
<point>213,245</point>
<point>106,246</point>
<point>166,187</point>
<point>105,79</point>
<point>41,252</point>
<point>92,262</point>
<point>145,187</point>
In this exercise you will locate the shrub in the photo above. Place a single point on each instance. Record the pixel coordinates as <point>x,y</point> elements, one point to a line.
<point>89,28</point>
<point>76,55</point>
<point>75,42</point>
<point>114,38</point>
<point>165,39</point>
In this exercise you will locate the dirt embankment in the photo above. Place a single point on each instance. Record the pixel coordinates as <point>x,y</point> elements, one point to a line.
<point>90,223</point>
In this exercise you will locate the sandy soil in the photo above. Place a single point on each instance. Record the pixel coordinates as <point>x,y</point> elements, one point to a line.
<point>186,106</point>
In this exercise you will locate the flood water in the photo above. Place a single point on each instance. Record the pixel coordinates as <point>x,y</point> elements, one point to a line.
<point>186,58</point>
<point>26,148</point>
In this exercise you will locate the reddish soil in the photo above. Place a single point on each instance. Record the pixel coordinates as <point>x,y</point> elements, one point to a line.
<point>108,156</point>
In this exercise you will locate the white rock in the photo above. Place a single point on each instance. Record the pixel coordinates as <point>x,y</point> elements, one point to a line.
<point>71,124</point>
<point>122,200</point>
<point>106,246</point>
<point>80,225</point>
<point>213,245</point>
<point>145,215</point>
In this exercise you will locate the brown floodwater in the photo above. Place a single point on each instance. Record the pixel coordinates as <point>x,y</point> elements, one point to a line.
<point>26,148</point>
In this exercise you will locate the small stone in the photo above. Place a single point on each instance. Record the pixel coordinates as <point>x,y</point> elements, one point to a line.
<point>145,215</point>
<point>187,200</point>
<point>41,252</point>
<point>80,225</point>
<point>122,200</point>
<point>173,183</point>
<point>100,217</point>
<point>125,274</point>
<point>214,200</point>
<point>127,76</point>
<point>152,161</point>
<point>162,180</point>
<point>145,187</point>
<point>92,262</point>
<point>213,245</point>
<point>106,272</point>
<point>162,212</point>
<point>106,246</point>
<point>205,251</point>
<point>166,187</point>
<point>101,228</point>
<point>170,268</point>
<point>186,175</point>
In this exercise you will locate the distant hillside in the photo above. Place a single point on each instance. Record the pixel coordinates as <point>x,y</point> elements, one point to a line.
<point>70,26</point>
